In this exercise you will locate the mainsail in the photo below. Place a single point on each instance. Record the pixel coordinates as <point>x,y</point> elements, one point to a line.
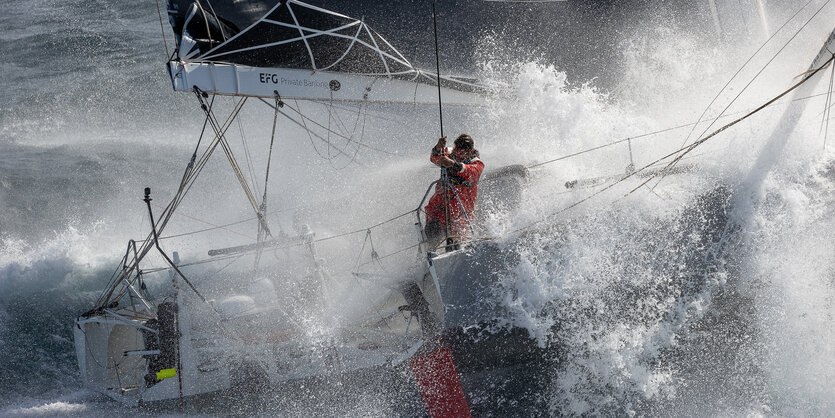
<point>260,47</point>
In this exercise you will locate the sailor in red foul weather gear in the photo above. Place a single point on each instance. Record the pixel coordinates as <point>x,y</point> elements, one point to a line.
<point>464,168</point>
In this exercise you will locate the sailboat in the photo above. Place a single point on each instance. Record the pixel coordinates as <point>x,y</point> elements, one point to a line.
<point>138,350</point>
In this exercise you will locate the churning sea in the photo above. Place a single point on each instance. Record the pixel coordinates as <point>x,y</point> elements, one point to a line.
<point>707,292</point>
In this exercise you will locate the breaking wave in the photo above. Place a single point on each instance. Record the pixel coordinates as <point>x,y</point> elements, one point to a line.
<point>708,293</point>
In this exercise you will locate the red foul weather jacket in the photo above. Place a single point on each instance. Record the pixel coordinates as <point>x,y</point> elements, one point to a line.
<point>464,178</point>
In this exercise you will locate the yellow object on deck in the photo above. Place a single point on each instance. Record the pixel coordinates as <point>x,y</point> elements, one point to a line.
<point>166,373</point>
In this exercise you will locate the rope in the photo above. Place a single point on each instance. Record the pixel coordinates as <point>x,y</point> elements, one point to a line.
<point>620,141</point>
<point>364,229</point>
<point>828,107</point>
<point>438,68</point>
<point>300,124</point>
<point>682,152</point>
<point>335,115</point>
<point>247,155</point>
<point>255,218</point>
<point>233,161</point>
<point>766,65</point>
<point>391,254</point>
<point>162,29</point>
<point>740,70</point>
<point>221,258</point>
<point>206,22</point>
<point>304,117</point>
<point>219,23</point>
<point>703,140</point>
<point>367,236</point>
<point>166,214</point>
<point>207,223</point>
<point>336,105</point>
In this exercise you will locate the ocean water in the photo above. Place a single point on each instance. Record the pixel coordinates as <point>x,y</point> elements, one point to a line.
<point>709,292</point>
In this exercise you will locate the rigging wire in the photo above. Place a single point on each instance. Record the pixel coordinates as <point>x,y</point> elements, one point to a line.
<point>328,238</point>
<point>410,212</point>
<point>301,125</point>
<point>204,158</point>
<point>680,154</point>
<point>223,227</point>
<point>165,216</point>
<point>262,215</point>
<point>622,140</point>
<point>703,140</point>
<point>740,70</point>
<point>307,118</point>
<point>247,155</point>
<point>359,255</point>
<point>328,134</point>
<point>353,133</point>
<point>233,161</point>
<point>728,115</point>
<point>751,82</point>
<point>162,29</point>
<point>219,138</point>
<point>765,66</point>
<point>536,165</point>
<point>828,108</point>
<point>391,254</point>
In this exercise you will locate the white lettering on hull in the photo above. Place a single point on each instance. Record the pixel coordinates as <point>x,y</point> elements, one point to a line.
<point>270,78</point>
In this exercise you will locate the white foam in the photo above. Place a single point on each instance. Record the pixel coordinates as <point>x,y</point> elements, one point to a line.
<point>48,409</point>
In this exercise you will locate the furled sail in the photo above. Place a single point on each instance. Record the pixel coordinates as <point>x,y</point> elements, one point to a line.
<point>259,47</point>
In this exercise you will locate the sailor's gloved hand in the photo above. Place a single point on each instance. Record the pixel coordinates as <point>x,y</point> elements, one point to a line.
<point>439,147</point>
<point>446,162</point>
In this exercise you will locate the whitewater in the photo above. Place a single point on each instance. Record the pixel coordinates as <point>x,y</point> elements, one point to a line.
<point>706,292</point>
